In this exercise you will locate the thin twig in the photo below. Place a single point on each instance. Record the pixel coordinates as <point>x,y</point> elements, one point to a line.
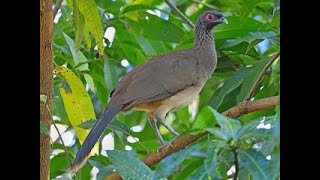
<point>179,13</point>
<point>205,4</point>
<point>56,8</point>
<point>60,137</point>
<point>236,164</point>
<point>244,107</point>
<point>262,73</point>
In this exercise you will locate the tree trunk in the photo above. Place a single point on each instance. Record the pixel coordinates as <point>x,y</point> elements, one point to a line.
<point>46,85</point>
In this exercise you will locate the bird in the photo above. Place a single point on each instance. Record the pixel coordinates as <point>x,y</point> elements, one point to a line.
<point>162,84</point>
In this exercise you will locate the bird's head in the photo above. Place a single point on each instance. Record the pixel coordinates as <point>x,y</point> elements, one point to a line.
<point>209,19</point>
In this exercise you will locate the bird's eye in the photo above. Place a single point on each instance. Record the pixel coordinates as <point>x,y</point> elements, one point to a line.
<point>209,17</point>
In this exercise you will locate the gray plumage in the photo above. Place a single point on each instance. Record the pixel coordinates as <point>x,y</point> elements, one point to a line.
<point>162,84</point>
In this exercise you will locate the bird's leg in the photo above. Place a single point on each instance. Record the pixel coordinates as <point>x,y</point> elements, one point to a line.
<point>153,124</point>
<point>161,120</point>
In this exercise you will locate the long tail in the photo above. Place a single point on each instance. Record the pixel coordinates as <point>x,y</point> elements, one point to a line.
<point>92,138</point>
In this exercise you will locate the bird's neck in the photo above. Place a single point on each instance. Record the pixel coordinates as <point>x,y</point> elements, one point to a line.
<point>205,46</point>
<point>203,39</point>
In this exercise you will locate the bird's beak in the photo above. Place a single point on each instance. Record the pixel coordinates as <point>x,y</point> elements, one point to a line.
<point>224,20</point>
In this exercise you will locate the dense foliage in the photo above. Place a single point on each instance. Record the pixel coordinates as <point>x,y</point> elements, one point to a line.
<point>89,62</point>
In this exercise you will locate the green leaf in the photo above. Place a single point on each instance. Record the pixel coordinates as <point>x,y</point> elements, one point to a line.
<point>274,165</point>
<point>97,75</point>
<point>58,165</point>
<point>70,4</point>
<point>44,129</point>
<point>255,163</point>
<point>183,117</point>
<point>134,5</point>
<point>89,81</point>
<point>77,55</point>
<point>91,15</point>
<point>110,74</point>
<point>58,108</point>
<point>86,36</point>
<point>247,8</point>
<point>229,127</point>
<point>78,22</point>
<point>129,166</point>
<point>260,35</point>
<point>88,124</point>
<point>217,133</point>
<point>84,173</point>
<point>276,8</point>
<point>168,165</point>
<point>154,28</point>
<point>114,125</point>
<point>205,118</point>
<point>250,78</point>
<point>77,102</point>
<point>248,127</point>
<point>211,160</point>
<point>119,126</point>
<point>150,47</point>
<point>229,85</point>
<point>189,165</point>
<point>104,171</point>
<point>237,28</point>
<point>199,174</point>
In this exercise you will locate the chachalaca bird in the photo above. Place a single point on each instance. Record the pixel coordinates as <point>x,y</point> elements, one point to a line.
<point>160,85</point>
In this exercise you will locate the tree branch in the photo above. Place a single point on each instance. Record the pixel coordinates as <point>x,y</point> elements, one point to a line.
<point>56,8</point>
<point>242,108</point>
<point>262,73</point>
<point>246,107</point>
<point>179,13</point>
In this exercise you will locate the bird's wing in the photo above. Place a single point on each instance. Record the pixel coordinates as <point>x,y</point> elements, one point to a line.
<point>159,78</point>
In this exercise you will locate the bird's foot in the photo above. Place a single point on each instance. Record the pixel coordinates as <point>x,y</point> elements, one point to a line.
<point>162,146</point>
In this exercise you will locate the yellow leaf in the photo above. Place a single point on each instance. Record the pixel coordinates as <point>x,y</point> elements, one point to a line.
<point>86,35</point>
<point>88,9</point>
<point>77,103</point>
<point>78,22</point>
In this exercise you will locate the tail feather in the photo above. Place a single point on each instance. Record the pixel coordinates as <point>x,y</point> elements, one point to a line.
<point>94,135</point>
